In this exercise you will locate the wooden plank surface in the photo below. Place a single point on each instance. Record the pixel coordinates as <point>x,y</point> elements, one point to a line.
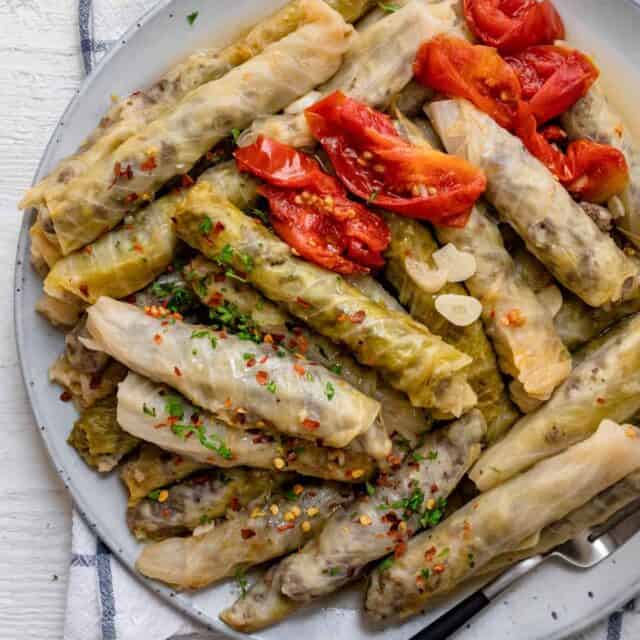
<point>39,71</point>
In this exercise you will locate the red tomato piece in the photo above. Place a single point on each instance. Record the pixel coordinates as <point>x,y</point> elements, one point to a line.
<point>376,164</point>
<point>513,25</point>
<point>455,67</point>
<point>552,78</point>
<point>311,212</point>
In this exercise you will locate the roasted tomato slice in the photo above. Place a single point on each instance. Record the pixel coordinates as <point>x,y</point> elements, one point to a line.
<point>377,165</point>
<point>311,212</point>
<point>598,171</point>
<point>552,78</point>
<point>513,25</point>
<point>455,67</point>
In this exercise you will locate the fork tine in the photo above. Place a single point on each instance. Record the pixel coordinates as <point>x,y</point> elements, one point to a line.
<point>624,529</point>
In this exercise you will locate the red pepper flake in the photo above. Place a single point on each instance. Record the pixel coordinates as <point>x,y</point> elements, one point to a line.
<point>149,164</point>
<point>138,247</point>
<point>251,362</point>
<point>399,550</point>
<point>342,317</point>
<point>358,317</point>
<point>268,338</point>
<point>187,181</point>
<point>157,338</point>
<point>84,290</point>
<point>439,568</point>
<point>262,377</point>
<point>218,228</point>
<point>219,277</point>
<point>247,533</point>
<point>119,172</point>
<point>430,554</point>
<point>132,197</point>
<point>178,460</point>
<point>310,425</point>
<point>278,338</point>
<point>215,300</point>
<point>285,527</point>
<point>303,345</point>
<point>227,403</point>
<point>65,396</point>
<point>303,303</point>
<point>88,249</point>
<point>298,330</point>
<point>434,487</point>
<point>600,400</point>
<point>299,369</point>
<point>234,504</point>
<point>177,371</point>
<point>264,359</point>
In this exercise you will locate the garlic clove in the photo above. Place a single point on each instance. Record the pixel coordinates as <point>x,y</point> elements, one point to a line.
<point>551,298</point>
<point>427,279</point>
<point>459,265</point>
<point>458,310</point>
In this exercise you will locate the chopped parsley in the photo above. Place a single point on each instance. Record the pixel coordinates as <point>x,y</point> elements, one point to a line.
<point>229,316</point>
<point>212,442</point>
<point>248,356</point>
<point>148,411</point>
<point>291,495</point>
<point>242,582</point>
<point>444,553</point>
<point>388,7</point>
<point>430,518</point>
<point>235,134</point>
<point>330,391</point>
<point>387,563</point>
<point>226,255</point>
<point>425,573</point>
<point>417,457</point>
<point>263,216</point>
<point>272,387</point>
<point>309,376</point>
<point>281,353</point>
<point>204,333</point>
<point>173,406</point>
<point>205,226</point>
<point>154,495</point>
<point>370,488</point>
<point>192,17</point>
<point>205,519</point>
<point>334,571</point>
<point>336,368</point>
<point>432,455</point>
<point>373,195</point>
<point>247,261</point>
<point>471,559</point>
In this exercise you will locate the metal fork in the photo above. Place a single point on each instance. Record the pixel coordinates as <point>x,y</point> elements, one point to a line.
<point>584,551</point>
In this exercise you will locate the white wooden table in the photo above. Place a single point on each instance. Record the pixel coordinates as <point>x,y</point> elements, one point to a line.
<point>39,70</point>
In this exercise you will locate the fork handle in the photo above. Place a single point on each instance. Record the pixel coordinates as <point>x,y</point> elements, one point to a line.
<point>452,620</point>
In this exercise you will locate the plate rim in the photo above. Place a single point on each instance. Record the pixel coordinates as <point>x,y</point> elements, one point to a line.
<point>22,263</point>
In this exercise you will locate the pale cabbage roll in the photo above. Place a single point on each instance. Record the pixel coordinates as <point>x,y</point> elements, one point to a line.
<point>413,360</point>
<point>499,521</point>
<point>527,196</point>
<point>605,383</point>
<point>270,527</point>
<point>372,71</point>
<point>593,117</point>
<point>592,514</point>
<point>198,500</point>
<point>411,245</point>
<point>146,410</point>
<point>96,201</point>
<point>246,384</point>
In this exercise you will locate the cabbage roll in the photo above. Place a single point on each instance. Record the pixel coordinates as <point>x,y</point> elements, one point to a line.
<point>592,514</point>
<point>414,494</point>
<point>153,468</point>
<point>412,243</point>
<point>198,501</point>
<point>371,71</point>
<point>413,360</point>
<point>500,520</point>
<point>156,414</point>
<point>270,527</point>
<point>60,313</point>
<point>99,439</point>
<point>605,383</point>
<point>593,117</point>
<point>554,227</point>
<point>96,201</point>
<point>244,383</point>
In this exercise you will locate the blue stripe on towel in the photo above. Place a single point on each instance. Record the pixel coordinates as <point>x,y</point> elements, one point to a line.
<point>105,584</point>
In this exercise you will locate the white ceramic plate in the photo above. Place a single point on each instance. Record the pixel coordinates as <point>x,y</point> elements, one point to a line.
<point>549,604</point>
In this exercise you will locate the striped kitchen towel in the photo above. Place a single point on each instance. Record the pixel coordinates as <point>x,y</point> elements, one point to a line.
<point>104,601</point>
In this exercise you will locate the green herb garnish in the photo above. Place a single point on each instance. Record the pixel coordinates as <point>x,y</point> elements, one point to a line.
<point>370,489</point>
<point>192,17</point>
<point>242,582</point>
<point>149,411</point>
<point>272,387</point>
<point>173,406</point>
<point>205,226</point>
<point>387,563</point>
<point>330,391</point>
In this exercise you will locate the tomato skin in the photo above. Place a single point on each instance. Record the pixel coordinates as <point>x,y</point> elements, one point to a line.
<point>513,25</point>
<point>552,78</point>
<point>310,211</point>
<point>376,164</point>
<point>454,66</point>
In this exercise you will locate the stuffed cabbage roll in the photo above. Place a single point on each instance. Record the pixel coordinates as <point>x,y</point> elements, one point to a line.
<point>411,249</point>
<point>413,360</point>
<point>414,495</point>
<point>153,468</point>
<point>99,439</point>
<point>371,71</point>
<point>198,501</point>
<point>593,117</point>
<point>592,514</point>
<point>500,520</point>
<point>117,184</point>
<point>157,414</point>
<point>605,383</point>
<point>246,384</point>
<point>554,227</point>
<point>268,528</point>
<point>60,313</point>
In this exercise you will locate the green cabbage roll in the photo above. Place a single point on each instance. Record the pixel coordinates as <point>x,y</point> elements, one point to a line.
<point>499,521</point>
<point>157,414</point>
<point>270,527</point>
<point>119,182</point>
<point>198,501</point>
<point>605,383</point>
<point>413,360</point>
<point>153,468</point>
<point>527,196</point>
<point>412,242</point>
<point>593,117</point>
<point>99,439</point>
<point>246,384</point>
